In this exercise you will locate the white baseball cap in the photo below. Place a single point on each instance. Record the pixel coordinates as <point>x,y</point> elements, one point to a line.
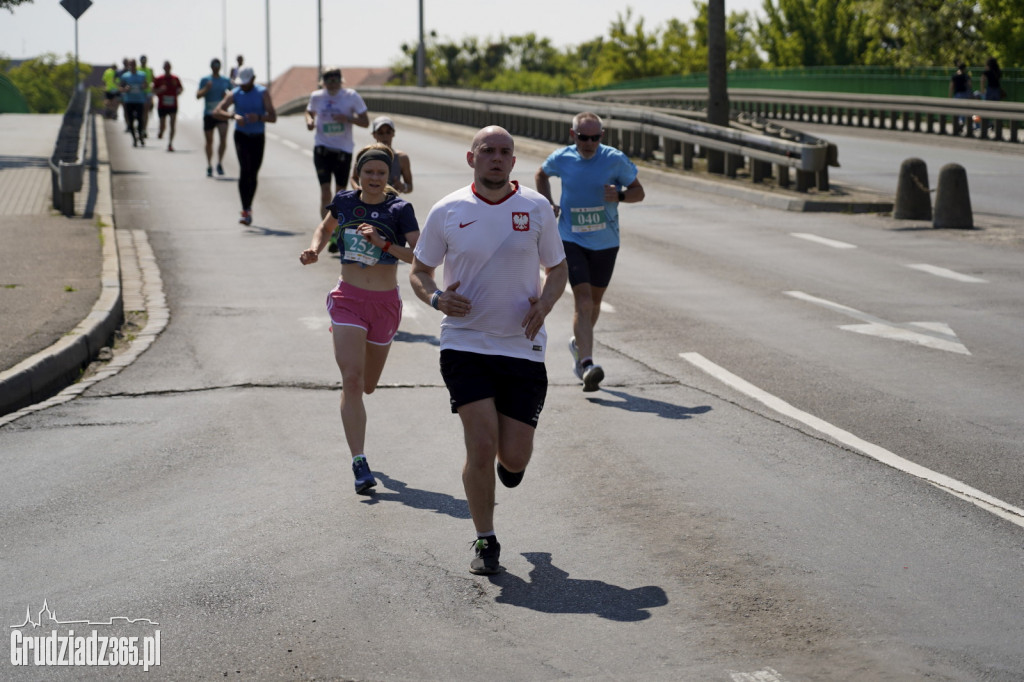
<point>382,121</point>
<point>245,74</point>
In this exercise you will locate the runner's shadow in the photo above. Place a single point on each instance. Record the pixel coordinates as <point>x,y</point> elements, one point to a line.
<point>258,231</point>
<point>439,503</point>
<point>632,403</point>
<point>406,337</point>
<point>551,590</point>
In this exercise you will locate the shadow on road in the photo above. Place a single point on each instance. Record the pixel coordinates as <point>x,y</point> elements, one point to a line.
<point>406,337</point>
<point>439,503</point>
<point>632,403</point>
<point>551,590</point>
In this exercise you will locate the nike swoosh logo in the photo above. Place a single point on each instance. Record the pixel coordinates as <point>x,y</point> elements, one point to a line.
<point>462,225</point>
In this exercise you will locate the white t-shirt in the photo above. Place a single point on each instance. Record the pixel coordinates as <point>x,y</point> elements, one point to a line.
<point>331,133</point>
<point>496,251</point>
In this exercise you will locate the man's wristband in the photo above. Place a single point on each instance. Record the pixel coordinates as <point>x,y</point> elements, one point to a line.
<point>622,195</point>
<point>435,298</point>
<point>387,245</point>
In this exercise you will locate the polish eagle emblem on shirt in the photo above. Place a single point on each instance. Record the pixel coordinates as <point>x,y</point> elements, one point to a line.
<point>521,221</point>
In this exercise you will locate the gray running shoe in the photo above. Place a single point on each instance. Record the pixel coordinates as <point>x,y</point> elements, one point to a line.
<point>576,369</point>
<point>592,376</point>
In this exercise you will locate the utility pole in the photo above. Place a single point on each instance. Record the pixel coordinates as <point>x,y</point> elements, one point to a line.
<point>421,55</point>
<point>718,90</point>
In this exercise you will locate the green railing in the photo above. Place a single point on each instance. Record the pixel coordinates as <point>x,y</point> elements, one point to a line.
<point>11,99</point>
<point>925,81</point>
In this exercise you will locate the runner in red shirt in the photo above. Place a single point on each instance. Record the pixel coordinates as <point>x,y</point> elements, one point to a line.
<point>167,87</point>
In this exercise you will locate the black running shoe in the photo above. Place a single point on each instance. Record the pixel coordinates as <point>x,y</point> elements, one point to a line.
<point>509,479</point>
<point>486,560</point>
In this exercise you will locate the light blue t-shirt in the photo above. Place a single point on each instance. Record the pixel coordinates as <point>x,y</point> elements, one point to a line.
<point>215,94</point>
<point>250,103</point>
<point>585,218</point>
<point>136,82</point>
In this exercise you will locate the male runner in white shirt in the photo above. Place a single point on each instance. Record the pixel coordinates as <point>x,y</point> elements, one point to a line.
<point>492,237</point>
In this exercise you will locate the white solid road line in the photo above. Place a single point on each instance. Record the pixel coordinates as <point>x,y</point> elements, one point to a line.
<point>822,240</point>
<point>962,490</point>
<point>948,274</point>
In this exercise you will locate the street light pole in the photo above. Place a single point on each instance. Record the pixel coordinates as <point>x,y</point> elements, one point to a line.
<point>319,38</point>
<point>421,55</point>
<point>224,32</point>
<point>268,42</point>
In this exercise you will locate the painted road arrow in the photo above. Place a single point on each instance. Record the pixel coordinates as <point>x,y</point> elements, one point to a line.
<point>936,335</point>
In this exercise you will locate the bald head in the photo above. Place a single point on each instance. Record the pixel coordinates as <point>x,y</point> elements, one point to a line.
<point>492,135</point>
<point>492,157</point>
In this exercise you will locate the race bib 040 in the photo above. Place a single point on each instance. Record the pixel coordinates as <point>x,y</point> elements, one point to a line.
<point>589,219</point>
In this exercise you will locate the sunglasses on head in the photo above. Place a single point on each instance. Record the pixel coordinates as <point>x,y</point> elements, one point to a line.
<point>589,138</point>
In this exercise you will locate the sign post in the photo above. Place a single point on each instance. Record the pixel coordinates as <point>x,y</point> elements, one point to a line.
<point>76,8</point>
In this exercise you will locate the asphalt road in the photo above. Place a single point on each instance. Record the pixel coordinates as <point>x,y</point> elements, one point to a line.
<point>672,526</point>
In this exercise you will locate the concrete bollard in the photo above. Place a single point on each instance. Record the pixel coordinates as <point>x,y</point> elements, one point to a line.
<point>913,199</point>
<point>953,199</point>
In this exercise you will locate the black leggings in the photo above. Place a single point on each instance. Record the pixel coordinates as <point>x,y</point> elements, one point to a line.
<point>133,114</point>
<point>249,149</point>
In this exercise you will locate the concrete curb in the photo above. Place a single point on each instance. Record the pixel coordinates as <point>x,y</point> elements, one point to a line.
<point>47,372</point>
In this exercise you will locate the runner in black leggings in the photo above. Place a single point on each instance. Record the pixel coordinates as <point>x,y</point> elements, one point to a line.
<point>253,109</point>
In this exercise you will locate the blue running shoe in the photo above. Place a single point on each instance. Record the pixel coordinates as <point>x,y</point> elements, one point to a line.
<point>364,479</point>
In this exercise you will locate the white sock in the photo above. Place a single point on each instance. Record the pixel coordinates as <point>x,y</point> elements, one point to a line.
<point>487,534</point>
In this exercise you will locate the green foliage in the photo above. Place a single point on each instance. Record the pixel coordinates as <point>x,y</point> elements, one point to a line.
<point>46,83</point>
<point>788,33</point>
<point>9,5</point>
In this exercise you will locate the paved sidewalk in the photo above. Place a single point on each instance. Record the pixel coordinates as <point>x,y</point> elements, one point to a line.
<point>60,299</point>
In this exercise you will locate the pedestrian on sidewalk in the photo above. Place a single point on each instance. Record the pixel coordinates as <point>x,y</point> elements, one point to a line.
<point>492,237</point>
<point>167,87</point>
<point>212,89</point>
<point>596,178</point>
<point>253,109</point>
<point>378,229</point>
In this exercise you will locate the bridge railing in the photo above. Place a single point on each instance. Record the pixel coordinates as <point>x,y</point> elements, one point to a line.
<point>637,130</point>
<point>998,121</point>
<point>67,164</point>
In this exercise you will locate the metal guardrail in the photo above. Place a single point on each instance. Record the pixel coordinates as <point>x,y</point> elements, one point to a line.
<point>1002,121</point>
<point>67,164</point>
<point>638,131</point>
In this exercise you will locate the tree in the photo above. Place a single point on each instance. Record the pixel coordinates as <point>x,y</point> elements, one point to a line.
<point>1003,31</point>
<point>814,32</point>
<point>9,5</point>
<point>631,51</point>
<point>47,84</point>
<point>924,32</point>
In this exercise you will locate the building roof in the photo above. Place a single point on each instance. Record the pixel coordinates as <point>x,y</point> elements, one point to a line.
<point>299,81</point>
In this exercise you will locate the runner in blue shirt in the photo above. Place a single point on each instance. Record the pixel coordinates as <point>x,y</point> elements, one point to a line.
<point>212,89</point>
<point>595,178</point>
<point>134,94</point>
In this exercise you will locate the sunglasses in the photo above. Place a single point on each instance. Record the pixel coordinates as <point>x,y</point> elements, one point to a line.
<point>589,138</point>
<point>333,77</point>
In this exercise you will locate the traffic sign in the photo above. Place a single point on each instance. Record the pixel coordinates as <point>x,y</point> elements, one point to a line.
<point>76,8</point>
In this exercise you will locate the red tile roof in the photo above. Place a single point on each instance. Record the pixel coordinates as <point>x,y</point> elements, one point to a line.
<point>299,81</point>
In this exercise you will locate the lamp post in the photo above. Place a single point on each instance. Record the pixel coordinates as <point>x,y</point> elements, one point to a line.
<point>268,42</point>
<point>421,55</point>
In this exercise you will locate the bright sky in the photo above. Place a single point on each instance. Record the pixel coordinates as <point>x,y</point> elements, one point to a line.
<point>191,32</point>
